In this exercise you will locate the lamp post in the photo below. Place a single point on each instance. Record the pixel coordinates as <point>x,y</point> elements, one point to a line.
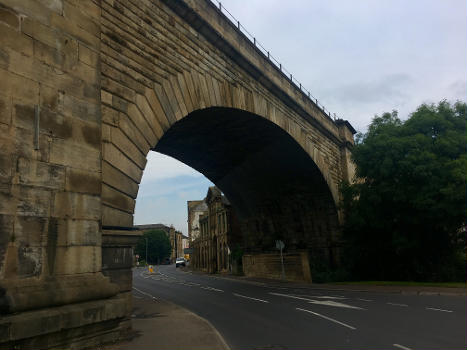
<point>146,250</point>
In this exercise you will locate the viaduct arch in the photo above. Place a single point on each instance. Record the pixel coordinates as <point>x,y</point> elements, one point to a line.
<point>88,88</point>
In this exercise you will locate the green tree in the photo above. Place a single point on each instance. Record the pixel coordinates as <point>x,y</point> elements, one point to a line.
<point>158,246</point>
<point>405,214</point>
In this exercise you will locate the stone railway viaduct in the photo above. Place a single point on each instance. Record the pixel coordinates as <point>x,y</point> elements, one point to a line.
<point>87,89</point>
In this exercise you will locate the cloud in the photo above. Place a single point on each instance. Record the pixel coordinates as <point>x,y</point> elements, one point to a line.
<point>394,87</point>
<point>160,166</point>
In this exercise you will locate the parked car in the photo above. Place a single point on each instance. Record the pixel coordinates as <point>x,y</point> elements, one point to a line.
<point>180,262</point>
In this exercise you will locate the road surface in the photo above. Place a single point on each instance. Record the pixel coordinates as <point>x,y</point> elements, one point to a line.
<point>261,316</point>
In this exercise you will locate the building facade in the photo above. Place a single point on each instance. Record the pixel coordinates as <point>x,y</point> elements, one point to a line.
<point>213,227</point>
<point>176,238</point>
<point>195,210</point>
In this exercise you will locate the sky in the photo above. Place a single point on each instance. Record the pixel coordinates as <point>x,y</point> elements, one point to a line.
<point>359,58</point>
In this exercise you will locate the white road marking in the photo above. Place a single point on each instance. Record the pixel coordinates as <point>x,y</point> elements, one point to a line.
<point>334,303</point>
<point>327,297</point>
<point>214,289</point>
<point>432,308</point>
<point>144,293</point>
<point>364,299</point>
<point>396,304</point>
<point>244,296</point>
<point>291,296</point>
<point>401,347</point>
<point>327,318</point>
<point>319,302</point>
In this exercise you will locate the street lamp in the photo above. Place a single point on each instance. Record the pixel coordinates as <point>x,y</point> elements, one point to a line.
<point>146,250</point>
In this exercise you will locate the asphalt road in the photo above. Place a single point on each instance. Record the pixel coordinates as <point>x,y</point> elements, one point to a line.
<point>260,316</point>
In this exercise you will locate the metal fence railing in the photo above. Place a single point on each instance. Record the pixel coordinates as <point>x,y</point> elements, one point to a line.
<point>271,58</point>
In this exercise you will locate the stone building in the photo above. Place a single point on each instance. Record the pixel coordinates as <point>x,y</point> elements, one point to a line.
<point>173,235</point>
<point>212,226</point>
<point>195,210</point>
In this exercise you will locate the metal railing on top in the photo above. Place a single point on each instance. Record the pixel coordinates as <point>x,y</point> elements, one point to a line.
<point>272,59</point>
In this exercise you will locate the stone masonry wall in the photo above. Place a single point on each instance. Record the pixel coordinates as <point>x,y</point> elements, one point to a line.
<point>50,177</point>
<point>156,68</point>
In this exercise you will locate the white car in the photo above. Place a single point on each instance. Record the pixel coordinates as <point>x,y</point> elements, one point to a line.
<point>180,262</point>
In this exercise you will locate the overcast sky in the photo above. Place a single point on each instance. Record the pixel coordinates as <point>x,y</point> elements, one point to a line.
<point>359,58</point>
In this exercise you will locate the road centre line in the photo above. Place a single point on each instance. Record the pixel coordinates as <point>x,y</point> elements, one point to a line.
<point>434,309</point>
<point>364,299</point>
<point>144,293</point>
<point>244,296</point>
<point>327,318</point>
<point>401,347</point>
<point>396,304</point>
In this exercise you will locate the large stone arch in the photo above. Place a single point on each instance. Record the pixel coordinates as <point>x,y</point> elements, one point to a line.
<point>133,134</point>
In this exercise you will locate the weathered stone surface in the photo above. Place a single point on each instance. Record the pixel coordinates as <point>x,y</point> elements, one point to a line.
<point>112,217</point>
<point>296,266</point>
<point>77,259</point>
<point>76,206</point>
<point>83,181</point>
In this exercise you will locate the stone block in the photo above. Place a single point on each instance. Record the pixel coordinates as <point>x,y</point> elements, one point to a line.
<point>116,218</point>
<point>51,98</point>
<point>83,181</point>
<point>133,133</point>
<point>71,232</point>
<point>30,229</point>
<point>88,56</point>
<point>30,260</point>
<point>24,145</point>
<point>20,87</point>
<point>80,108</point>
<point>36,173</point>
<point>117,199</point>
<point>157,108</point>
<point>109,115</point>
<point>73,154</point>
<point>76,206</point>
<point>16,40</point>
<point>118,89</point>
<point>89,132</point>
<point>9,17</point>
<point>142,124</point>
<point>63,57</point>
<point>117,258</point>
<point>123,278</point>
<point>43,33</point>
<point>33,201</point>
<point>74,30</point>
<point>115,178</point>
<point>75,15</point>
<point>123,143</point>
<point>88,7</point>
<point>77,259</point>
<point>117,158</point>
<point>149,115</point>
<point>5,110</point>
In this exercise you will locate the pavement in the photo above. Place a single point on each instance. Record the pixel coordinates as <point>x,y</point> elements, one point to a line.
<point>160,324</point>
<point>253,313</point>
<point>408,290</point>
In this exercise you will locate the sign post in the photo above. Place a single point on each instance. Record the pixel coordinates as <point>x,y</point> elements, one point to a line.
<point>280,245</point>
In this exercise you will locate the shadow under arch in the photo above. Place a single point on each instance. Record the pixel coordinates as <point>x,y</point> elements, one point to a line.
<point>276,189</point>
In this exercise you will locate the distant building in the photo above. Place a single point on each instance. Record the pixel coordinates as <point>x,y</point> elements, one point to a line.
<point>195,210</point>
<point>177,247</point>
<point>211,221</point>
